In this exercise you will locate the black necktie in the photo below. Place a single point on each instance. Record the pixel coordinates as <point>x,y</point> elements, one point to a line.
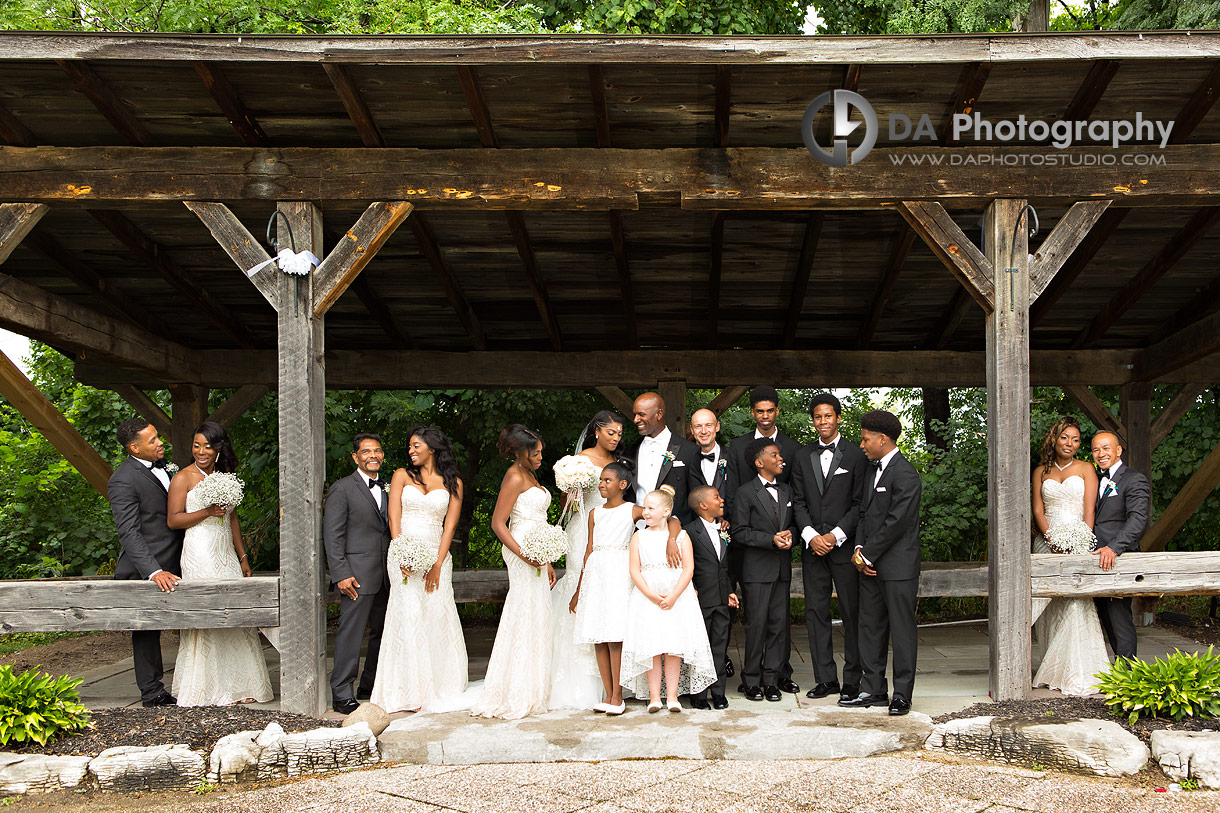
<point>158,464</point>
<point>826,448</point>
<point>710,456</point>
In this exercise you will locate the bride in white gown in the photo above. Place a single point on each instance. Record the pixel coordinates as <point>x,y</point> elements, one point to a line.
<point>423,652</point>
<point>214,667</point>
<point>1064,493</point>
<point>575,678</point>
<point>518,678</point>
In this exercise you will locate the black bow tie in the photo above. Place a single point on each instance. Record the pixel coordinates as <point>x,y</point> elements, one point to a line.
<point>771,485</point>
<point>709,456</point>
<point>159,464</point>
<point>876,464</point>
<point>1106,472</point>
<point>824,447</point>
<point>375,483</point>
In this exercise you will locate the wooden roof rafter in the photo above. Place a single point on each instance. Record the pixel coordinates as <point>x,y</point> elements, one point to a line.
<point>14,131</point>
<point>1094,86</point>
<point>904,238</point>
<point>107,102</point>
<point>243,121</point>
<point>965,97</point>
<point>715,272</point>
<point>800,279</point>
<point>435,256</point>
<point>355,104</point>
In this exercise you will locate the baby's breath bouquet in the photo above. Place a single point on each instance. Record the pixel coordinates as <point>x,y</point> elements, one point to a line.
<point>416,555</point>
<point>544,543</point>
<point>221,488</point>
<point>1071,537</point>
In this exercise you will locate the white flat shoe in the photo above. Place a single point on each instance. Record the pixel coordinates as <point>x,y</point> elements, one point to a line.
<point>674,705</point>
<point>653,708</point>
<point>603,707</point>
<point>614,711</point>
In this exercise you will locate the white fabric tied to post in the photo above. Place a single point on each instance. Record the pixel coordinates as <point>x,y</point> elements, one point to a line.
<point>298,263</point>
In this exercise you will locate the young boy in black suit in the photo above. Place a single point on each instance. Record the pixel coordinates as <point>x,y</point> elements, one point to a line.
<point>713,584</point>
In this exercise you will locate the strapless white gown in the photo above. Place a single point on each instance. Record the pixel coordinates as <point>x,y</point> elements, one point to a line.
<point>1068,629</point>
<point>576,682</point>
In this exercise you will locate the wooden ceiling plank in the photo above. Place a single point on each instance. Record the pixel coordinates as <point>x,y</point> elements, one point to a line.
<point>601,113</point>
<point>622,262</point>
<point>901,246</point>
<point>14,131</point>
<point>516,224</point>
<point>114,109</point>
<point>724,101</point>
<point>800,280</point>
<point>715,272</point>
<point>435,256</point>
<point>239,116</point>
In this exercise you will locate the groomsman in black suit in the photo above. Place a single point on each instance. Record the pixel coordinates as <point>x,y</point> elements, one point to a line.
<point>662,457</point>
<point>138,492</point>
<point>828,479</point>
<point>1119,521</point>
<point>713,471</point>
<point>764,528</point>
<point>713,585</point>
<point>887,557</point>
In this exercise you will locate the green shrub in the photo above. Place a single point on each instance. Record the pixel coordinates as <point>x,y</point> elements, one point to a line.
<point>1180,685</point>
<point>36,707</point>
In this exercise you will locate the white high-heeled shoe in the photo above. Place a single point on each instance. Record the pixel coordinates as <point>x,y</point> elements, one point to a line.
<point>674,705</point>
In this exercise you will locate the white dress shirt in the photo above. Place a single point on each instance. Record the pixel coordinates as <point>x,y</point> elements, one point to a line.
<point>773,436</point>
<point>713,533</point>
<point>652,451</point>
<point>1106,479</point>
<point>379,494</point>
<point>774,492</point>
<point>825,456</point>
<point>708,467</point>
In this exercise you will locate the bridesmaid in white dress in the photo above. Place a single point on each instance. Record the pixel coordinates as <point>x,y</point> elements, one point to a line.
<point>518,678</point>
<point>576,681</point>
<point>423,652</point>
<point>216,667</point>
<point>1065,491</point>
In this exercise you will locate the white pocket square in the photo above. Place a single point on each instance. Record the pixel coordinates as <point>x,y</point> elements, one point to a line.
<point>839,471</point>
<point>882,488</point>
<point>678,463</point>
<point>789,505</point>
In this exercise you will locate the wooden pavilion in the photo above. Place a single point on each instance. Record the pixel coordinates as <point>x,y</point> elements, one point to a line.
<point>609,213</point>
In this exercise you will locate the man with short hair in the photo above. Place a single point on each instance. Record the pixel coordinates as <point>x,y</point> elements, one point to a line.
<point>356,535</point>
<point>713,459</point>
<point>138,492</point>
<point>661,457</point>
<point>1119,521</point>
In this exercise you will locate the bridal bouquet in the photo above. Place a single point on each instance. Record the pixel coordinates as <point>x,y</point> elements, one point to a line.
<point>221,488</point>
<point>416,555</point>
<point>544,543</point>
<point>1071,537</point>
<point>575,472</point>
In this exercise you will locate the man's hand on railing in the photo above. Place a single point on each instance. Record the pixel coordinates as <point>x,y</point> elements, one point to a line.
<point>165,580</point>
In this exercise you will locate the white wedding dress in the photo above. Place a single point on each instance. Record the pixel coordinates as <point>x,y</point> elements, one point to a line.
<point>216,667</point>
<point>1075,647</point>
<point>423,652</point>
<point>576,682</point>
<point>518,678</point>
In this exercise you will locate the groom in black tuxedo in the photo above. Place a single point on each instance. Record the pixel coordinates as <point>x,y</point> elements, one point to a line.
<point>887,556</point>
<point>713,585</point>
<point>662,457</point>
<point>1119,521</point>
<point>138,492</point>
<point>356,535</point>
<point>828,479</point>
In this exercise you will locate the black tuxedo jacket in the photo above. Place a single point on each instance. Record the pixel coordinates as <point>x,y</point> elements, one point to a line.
<point>1121,516</point>
<point>889,521</point>
<point>682,473</point>
<point>712,580</point>
<point>356,534</point>
<point>824,503</point>
<point>139,504</point>
<point>719,478</point>
<point>754,525</point>
<point>741,470</point>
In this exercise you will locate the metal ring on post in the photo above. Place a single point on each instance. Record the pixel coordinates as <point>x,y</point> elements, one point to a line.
<point>1012,249</point>
<point>275,246</point>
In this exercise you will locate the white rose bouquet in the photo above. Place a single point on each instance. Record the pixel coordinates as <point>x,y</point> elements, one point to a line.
<point>416,555</point>
<point>575,472</point>
<point>1071,537</point>
<point>221,488</point>
<point>544,543</point>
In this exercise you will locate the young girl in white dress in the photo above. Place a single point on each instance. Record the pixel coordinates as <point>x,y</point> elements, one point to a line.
<point>600,599</point>
<point>664,630</point>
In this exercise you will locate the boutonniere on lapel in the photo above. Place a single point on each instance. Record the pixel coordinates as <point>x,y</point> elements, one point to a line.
<point>1110,489</point>
<point>171,469</point>
<point>667,457</point>
<point>722,464</point>
<point>724,537</point>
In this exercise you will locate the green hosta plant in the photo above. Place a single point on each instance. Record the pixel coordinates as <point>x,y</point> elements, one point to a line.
<point>1179,685</point>
<point>37,707</point>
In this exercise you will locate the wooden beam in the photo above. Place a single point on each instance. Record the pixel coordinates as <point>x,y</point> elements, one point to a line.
<point>673,393</point>
<point>1091,90</point>
<point>1174,250</point>
<point>354,250</point>
<point>727,397</point>
<point>1197,106</point>
<point>618,244</point>
<point>965,96</point>
<point>901,246</point>
<point>46,418</point>
<point>724,101</point>
<point>238,404</point>
<point>800,279</point>
<point>377,308</point>
<point>950,320</point>
<point>16,221</point>
<point>114,109</point>
<point>1191,343</point>
<point>1203,302</point>
<point>949,243</point>
<point>477,105</point>
<point>1076,262</point>
<point>1135,410</point>
<point>1008,509</point>
<point>714,274</point>
<point>542,301</point>
<point>155,257</point>
<point>241,246</point>
<point>146,407</point>
<point>1134,574</point>
<point>188,408</point>
<point>432,252</point>
<point>601,114</point>
<point>1185,398</point>
<point>226,98</point>
<point>14,131</point>
<point>1197,488</point>
<point>1096,410</point>
<point>620,400</point>
<point>1071,230</point>
<point>355,105</point>
<point>77,605</point>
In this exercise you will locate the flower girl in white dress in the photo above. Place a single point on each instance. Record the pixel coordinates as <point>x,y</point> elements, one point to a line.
<point>665,630</point>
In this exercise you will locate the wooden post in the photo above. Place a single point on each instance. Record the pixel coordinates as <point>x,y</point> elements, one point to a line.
<point>302,393</point>
<point>673,392</point>
<point>188,408</point>
<point>1008,508</point>
<point>1135,409</point>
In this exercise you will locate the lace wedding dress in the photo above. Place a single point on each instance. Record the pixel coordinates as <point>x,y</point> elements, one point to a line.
<point>216,667</point>
<point>518,678</point>
<point>575,679</point>
<point>1075,648</point>
<point>423,652</point>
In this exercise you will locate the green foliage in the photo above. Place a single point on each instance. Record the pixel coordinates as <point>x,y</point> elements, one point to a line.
<point>857,17</point>
<point>1165,14</point>
<point>678,16</point>
<point>36,707</point>
<point>954,16</point>
<point>1180,685</point>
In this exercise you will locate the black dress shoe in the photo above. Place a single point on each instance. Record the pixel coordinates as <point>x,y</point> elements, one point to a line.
<point>849,691</point>
<point>345,706</point>
<point>899,706</point>
<point>163,699</point>
<point>719,701</point>
<point>773,693</point>
<point>864,700</point>
<point>699,702</point>
<point>823,689</point>
<point>789,685</point>
<point>742,688</point>
<point>754,693</point>
<point>728,667</point>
